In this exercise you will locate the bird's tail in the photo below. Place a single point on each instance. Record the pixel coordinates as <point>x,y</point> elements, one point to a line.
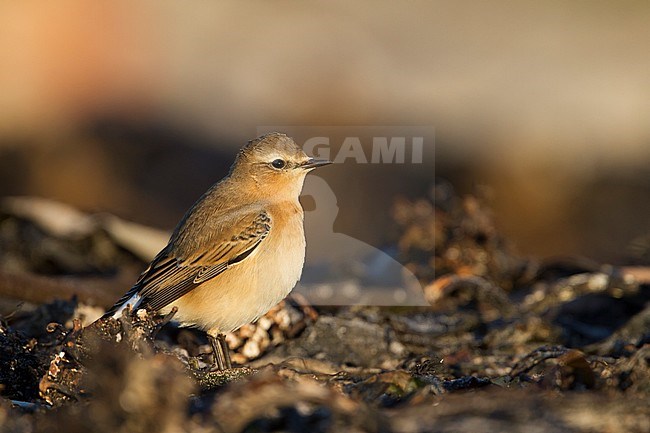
<point>131,300</point>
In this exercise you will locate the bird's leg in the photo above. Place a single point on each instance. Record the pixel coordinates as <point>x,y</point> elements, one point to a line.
<point>220,352</point>
<point>217,355</point>
<point>225,350</point>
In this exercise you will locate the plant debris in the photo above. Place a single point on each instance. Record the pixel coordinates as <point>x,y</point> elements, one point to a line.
<point>501,333</point>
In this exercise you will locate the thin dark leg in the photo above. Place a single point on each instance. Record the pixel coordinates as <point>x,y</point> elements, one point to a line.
<point>225,350</point>
<point>219,360</point>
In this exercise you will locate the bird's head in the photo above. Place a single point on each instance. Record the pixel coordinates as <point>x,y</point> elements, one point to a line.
<point>275,164</point>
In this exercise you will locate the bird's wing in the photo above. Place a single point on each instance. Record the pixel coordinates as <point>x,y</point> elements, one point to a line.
<point>169,277</point>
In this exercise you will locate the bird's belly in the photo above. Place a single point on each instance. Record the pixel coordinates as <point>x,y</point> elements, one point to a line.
<point>246,291</point>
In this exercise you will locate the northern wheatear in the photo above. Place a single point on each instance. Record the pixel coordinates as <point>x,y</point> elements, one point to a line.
<point>238,251</point>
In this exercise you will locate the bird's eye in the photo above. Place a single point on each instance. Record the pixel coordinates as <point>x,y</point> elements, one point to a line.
<point>278,163</point>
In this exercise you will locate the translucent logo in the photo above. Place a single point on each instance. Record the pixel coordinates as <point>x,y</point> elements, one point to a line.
<point>342,270</point>
<point>361,144</point>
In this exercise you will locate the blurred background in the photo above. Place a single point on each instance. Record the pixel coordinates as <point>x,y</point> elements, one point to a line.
<point>136,107</point>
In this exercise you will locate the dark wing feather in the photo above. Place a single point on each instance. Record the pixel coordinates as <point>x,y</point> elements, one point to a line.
<point>168,278</point>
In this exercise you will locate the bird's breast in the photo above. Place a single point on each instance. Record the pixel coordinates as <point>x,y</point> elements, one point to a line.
<point>284,255</point>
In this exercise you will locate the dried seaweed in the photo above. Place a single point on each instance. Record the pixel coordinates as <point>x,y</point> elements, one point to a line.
<point>510,344</point>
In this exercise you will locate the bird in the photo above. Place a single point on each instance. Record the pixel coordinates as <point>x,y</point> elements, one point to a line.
<point>237,252</point>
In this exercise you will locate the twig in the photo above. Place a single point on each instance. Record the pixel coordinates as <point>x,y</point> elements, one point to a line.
<point>39,289</point>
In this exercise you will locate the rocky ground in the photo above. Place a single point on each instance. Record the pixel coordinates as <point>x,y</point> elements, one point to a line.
<point>508,344</point>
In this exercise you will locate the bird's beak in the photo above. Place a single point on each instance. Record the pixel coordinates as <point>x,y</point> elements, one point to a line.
<point>312,163</point>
